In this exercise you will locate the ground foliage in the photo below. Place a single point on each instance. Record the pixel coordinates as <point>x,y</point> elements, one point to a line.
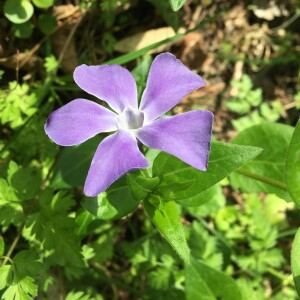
<point>238,220</point>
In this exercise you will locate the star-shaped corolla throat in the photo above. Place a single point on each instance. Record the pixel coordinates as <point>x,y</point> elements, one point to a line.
<point>186,136</point>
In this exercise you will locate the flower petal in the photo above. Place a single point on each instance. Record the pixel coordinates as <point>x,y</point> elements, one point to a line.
<point>78,121</point>
<point>115,156</point>
<point>111,83</point>
<point>186,136</point>
<point>168,82</point>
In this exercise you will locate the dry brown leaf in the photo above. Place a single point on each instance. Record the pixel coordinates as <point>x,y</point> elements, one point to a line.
<point>144,39</point>
<point>67,17</point>
<point>269,10</point>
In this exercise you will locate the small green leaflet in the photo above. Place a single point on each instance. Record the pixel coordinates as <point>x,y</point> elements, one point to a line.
<point>274,138</point>
<point>295,258</point>
<point>18,11</point>
<point>292,166</point>
<point>167,221</point>
<point>21,289</point>
<point>43,3</point>
<point>224,159</point>
<point>204,282</point>
<point>177,4</point>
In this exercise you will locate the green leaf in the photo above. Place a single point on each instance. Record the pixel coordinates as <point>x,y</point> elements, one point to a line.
<point>224,159</point>
<point>18,11</point>
<point>168,223</point>
<point>295,260</point>
<point>115,203</point>
<point>26,263</point>
<point>292,166</point>
<point>21,289</point>
<point>25,181</point>
<point>23,30</point>
<point>195,286</point>
<point>140,74</point>
<point>11,211</point>
<point>83,221</point>
<point>54,228</point>
<point>207,196</point>
<point>266,172</point>
<point>73,164</point>
<point>47,23</point>
<point>159,279</point>
<point>2,246</point>
<point>204,282</point>
<point>5,276</point>
<point>141,187</point>
<point>43,3</point>
<point>170,17</point>
<point>176,4</point>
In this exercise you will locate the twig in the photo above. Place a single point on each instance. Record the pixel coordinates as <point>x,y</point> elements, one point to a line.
<point>12,247</point>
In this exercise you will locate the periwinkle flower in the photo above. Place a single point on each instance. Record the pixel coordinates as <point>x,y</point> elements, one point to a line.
<point>186,136</point>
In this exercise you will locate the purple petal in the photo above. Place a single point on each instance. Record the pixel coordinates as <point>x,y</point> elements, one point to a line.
<point>78,121</point>
<point>111,83</point>
<point>186,136</point>
<point>168,82</point>
<point>115,156</point>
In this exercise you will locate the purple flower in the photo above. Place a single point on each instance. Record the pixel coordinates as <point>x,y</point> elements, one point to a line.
<point>186,136</point>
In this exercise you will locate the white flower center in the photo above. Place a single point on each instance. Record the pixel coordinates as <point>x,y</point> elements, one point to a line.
<point>130,119</point>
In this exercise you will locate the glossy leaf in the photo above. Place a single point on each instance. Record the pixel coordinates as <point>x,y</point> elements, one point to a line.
<point>204,282</point>
<point>295,260</point>
<point>73,164</point>
<point>208,195</point>
<point>43,3</point>
<point>177,4</point>
<point>113,204</point>
<point>167,221</point>
<point>141,187</point>
<point>224,159</point>
<point>266,172</point>
<point>292,166</point>
<point>18,11</point>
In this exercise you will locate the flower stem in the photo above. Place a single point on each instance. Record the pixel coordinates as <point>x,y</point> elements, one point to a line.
<point>264,179</point>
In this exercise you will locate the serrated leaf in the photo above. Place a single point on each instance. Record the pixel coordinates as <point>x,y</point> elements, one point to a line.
<point>292,166</point>
<point>159,279</point>
<point>168,223</point>
<point>295,260</point>
<point>52,227</point>
<point>18,11</point>
<point>11,211</point>
<point>25,181</point>
<point>5,276</point>
<point>269,165</point>
<point>21,289</point>
<point>113,204</point>
<point>176,4</point>
<point>224,159</point>
<point>26,263</point>
<point>204,282</point>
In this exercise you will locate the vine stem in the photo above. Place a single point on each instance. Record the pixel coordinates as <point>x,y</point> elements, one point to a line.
<point>264,179</point>
<point>12,247</point>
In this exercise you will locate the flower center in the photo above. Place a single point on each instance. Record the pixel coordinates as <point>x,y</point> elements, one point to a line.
<point>130,119</point>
